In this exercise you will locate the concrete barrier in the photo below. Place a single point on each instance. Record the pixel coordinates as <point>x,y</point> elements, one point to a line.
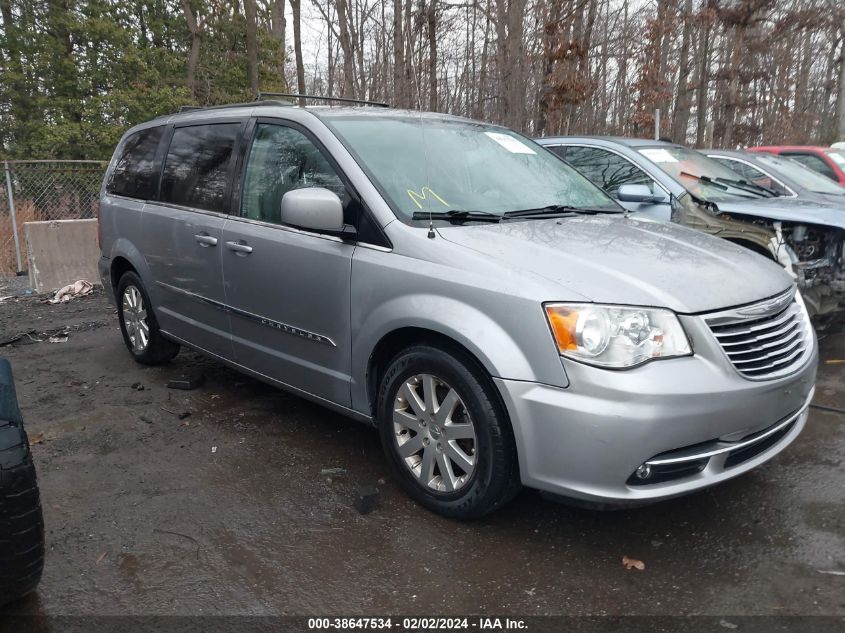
<point>61,252</point>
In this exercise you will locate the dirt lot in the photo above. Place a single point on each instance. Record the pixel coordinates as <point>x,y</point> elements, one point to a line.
<point>224,511</point>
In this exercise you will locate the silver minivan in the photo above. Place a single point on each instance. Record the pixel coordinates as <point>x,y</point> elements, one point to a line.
<point>496,316</point>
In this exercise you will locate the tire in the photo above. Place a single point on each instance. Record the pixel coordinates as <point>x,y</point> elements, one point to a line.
<point>473,444</point>
<point>21,520</point>
<point>138,323</point>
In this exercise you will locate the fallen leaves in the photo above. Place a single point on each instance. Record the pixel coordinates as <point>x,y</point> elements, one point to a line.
<point>38,438</point>
<point>633,563</point>
<point>100,558</point>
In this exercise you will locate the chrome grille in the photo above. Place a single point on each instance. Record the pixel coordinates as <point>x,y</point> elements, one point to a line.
<point>767,339</point>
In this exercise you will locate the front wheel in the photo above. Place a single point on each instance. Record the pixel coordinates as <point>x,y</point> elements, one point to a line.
<point>446,434</point>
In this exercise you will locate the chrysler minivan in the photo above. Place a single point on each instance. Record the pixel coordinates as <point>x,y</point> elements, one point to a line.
<point>497,317</point>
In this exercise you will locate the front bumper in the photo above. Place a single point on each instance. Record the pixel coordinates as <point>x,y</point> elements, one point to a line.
<point>696,419</point>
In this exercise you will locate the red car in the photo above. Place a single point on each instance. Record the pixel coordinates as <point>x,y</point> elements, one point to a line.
<point>828,161</point>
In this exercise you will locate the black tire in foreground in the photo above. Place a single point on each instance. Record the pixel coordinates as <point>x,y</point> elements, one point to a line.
<point>139,325</point>
<point>21,520</point>
<point>446,433</point>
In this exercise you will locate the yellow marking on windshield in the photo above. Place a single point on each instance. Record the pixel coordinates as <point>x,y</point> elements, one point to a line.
<point>416,197</point>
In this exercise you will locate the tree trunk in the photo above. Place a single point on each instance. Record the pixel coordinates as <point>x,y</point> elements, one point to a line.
<point>295,6</point>
<point>840,102</point>
<point>194,55</point>
<point>431,21</point>
<point>664,39</point>
<point>550,41</point>
<point>510,22</point>
<point>680,114</point>
<point>278,26</point>
<point>732,95</point>
<point>399,94</point>
<point>478,107</point>
<point>348,89</point>
<point>251,44</point>
<point>703,85</point>
<point>19,93</point>
<point>411,86</point>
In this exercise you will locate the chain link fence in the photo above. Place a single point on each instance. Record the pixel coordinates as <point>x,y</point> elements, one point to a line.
<point>38,190</point>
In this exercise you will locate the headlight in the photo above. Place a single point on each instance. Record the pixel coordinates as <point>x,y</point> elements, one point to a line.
<point>616,336</point>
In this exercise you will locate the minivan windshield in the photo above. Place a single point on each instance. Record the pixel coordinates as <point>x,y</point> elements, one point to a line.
<point>701,175</point>
<point>426,164</point>
<point>803,176</point>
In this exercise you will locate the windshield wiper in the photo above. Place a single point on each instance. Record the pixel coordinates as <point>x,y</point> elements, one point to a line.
<point>726,183</point>
<point>556,210</point>
<point>706,179</point>
<point>457,216</point>
<point>749,186</point>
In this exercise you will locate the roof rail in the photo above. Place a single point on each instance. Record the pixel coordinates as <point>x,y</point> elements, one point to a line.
<point>260,96</point>
<point>244,104</point>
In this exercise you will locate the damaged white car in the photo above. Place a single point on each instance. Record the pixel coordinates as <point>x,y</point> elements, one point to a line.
<point>670,182</point>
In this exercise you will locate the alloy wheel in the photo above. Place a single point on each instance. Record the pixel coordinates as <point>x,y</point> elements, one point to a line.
<point>434,434</point>
<point>135,319</point>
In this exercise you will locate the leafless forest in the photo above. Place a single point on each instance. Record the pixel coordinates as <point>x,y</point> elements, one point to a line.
<point>746,71</point>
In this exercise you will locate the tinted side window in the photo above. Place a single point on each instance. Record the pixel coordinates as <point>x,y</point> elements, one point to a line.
<point>135,174</point>
<point>283,159</point>
<point>560,150</point>
<point>813,162</point>
<point>197,165</point>
<point>606,169</point>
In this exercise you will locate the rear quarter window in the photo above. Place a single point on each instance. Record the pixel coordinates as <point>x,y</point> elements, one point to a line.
<point>135,174</point>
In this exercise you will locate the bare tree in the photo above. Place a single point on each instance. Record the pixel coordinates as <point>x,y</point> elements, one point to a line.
<point>194,55</point>
<point>296,7</point>
<point>251,44</point>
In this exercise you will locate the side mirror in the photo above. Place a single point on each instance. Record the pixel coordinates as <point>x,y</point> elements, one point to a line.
<point>313,208</point>
<point>641,194</point>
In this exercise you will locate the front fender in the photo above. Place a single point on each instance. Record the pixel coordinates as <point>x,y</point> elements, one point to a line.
<point>491,344</point>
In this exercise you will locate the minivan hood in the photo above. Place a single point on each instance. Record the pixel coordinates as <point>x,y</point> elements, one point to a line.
<point>623,260</point>
<point>789,210</point>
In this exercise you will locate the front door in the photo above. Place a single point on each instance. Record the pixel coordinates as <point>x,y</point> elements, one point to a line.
<point>182,235</point>
<point>287,289</point>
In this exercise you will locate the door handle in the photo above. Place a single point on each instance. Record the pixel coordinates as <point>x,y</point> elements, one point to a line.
<point>204,239</point>
<point>239,248</point>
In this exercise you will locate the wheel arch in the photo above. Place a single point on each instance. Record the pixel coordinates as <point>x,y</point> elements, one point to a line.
<point>404,337</point>
<point>126,257</point>
<point>493,344</point>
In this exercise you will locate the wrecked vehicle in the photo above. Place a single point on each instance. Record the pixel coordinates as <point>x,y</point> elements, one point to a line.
<point>666,182</point>
<point>491,312</point>
<point>21,520</point>
<point>781,175</point>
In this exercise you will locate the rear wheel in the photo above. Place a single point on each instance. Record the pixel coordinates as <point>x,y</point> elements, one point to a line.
<point>138,323</point>
<point>446,434</point>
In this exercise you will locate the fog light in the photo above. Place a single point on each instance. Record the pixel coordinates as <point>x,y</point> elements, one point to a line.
<point>643,472</point>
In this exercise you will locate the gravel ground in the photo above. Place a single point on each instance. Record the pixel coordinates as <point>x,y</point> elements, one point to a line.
<point>212,502</point>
